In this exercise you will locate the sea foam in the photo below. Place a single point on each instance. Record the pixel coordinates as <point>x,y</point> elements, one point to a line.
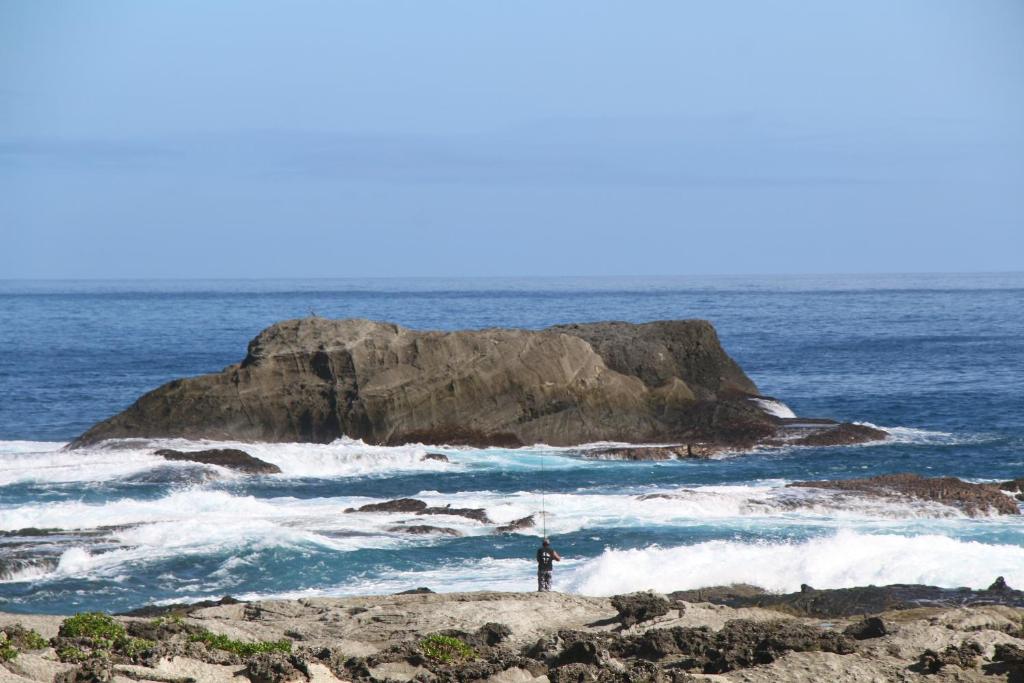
<point>842,560</point>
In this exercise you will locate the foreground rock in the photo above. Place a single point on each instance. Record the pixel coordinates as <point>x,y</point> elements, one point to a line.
<point>520,637</point>
<point>315,380</point>
<point>231,458</point>
<point>973,499</point>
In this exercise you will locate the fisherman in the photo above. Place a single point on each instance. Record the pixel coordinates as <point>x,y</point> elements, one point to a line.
<point>546,556</point>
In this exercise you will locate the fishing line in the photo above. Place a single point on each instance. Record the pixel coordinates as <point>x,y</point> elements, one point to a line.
<point>543,508</point>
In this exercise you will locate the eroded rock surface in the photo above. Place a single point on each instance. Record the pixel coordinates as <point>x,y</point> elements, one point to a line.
<point>521,637</point>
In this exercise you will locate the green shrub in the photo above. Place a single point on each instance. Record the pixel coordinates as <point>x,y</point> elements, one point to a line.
<point>218,641</point>
<point>73,655</point>
<point>102,634</point>
<point>133,647</point>
<point>33,641</point>
<point>95,625</point>
<point>446,649</point>
<point>7,651</point>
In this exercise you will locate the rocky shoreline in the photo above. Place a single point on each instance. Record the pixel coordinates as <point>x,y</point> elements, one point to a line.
<point>717,634</point>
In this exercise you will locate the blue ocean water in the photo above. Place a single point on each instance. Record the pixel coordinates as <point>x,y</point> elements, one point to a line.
<point>935,358</point>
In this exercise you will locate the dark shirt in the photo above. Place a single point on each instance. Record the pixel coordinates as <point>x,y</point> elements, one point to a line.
<point>545,559</point>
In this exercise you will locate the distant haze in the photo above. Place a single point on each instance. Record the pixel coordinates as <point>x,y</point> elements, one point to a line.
<point>374,138</point>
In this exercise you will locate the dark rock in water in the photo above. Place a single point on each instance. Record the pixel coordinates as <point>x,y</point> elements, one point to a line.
<point>418,507</point>
<point>845,434</point>
<point>658,496</point>
<point>397,505</point>
<point>848,602</point>
<point>18,563</point>
<point>973,499</point>
<point>30,531</point>
<point>871,627</point>
<point>415,591</point>
<point>1000,585</point>
<point>424,530</point>
<point>634,608</point>
<point>516,525</point>
<point>169,474</point>
<point>440,457</point>
<point>477,514</point>
<point>652,453</point>
<point>315,380</point>
<point>232,458</point>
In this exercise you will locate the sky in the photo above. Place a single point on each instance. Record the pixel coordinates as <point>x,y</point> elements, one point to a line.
<point>382,138</point>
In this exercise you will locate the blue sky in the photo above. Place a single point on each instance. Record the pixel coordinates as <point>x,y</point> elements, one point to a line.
<point>334,139</point>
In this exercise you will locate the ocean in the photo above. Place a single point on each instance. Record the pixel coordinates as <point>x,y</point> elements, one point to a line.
<point>936,359</point>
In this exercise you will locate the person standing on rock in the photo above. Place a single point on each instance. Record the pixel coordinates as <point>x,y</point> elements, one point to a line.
<point>546,557</point>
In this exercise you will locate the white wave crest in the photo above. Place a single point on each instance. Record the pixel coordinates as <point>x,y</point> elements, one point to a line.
<point>775,407</point>
<point>843,560</point>
<point>564,512</point>
<point>923,437</point>
<point>131,459</point>
<point>42,461</point>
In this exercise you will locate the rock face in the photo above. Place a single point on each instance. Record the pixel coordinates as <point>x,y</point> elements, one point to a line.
<point>973,499</point>
<point>314,380</point>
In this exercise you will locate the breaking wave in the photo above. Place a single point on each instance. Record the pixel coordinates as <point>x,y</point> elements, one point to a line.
<point>843,560</point>
<point>775,407</point>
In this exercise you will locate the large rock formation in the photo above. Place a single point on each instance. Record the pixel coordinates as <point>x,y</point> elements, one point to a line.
<point>315,380</point>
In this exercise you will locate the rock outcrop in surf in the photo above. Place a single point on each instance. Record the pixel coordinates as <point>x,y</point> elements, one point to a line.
<point>315,380</point>
<point>231,458</point>
<point>974,500</point>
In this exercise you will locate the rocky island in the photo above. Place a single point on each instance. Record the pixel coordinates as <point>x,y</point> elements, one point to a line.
<point>315,380</point>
